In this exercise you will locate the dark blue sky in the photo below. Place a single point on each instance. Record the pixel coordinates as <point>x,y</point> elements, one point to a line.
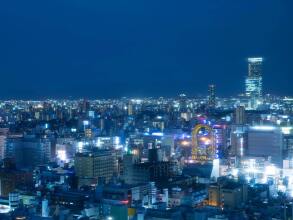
<point>112,48</point>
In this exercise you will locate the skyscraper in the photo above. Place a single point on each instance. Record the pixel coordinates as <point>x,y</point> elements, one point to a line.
<point>212,96</point>
<point>253,82</point>
<point>254,79</point>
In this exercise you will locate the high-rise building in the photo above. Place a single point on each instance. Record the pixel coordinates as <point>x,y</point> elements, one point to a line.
<point>254,79</point>
<point>253,82</point>
<point>212,96</point>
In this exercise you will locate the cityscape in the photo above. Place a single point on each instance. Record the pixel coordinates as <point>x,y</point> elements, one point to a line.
<point>146,110</point>
<point>149,158</point>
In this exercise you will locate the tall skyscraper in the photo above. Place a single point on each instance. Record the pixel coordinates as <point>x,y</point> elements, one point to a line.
<point>212,96</point>
<point>253,82</point>
<point>254,79</point>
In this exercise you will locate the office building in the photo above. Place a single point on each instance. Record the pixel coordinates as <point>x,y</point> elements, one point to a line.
<point>96,166</point>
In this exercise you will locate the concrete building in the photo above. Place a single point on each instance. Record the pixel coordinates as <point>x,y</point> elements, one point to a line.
<point>229,194</point>
<point>91,167</point>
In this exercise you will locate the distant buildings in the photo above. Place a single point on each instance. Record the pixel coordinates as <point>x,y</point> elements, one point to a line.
<point>132,158</point>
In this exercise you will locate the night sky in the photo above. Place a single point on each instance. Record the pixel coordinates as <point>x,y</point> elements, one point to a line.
<point>114,48</point>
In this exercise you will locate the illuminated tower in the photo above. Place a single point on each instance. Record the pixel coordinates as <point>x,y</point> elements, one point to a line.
<point>254,79</point>
<point>212,96</point>
<point>253,82</point>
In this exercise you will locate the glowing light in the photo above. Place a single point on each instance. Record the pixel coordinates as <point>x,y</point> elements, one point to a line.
<point>80,146</point>
<point>286,130</point>
<point>125,202</point>
<point>4,208</point>
<point>159,134</point>
<point>255,59</point>
<point>206,140</point>
<point>116,140</point>
<point>203,139</point>
<point>263,128</point>
<point>270,170</point>
<point>117,147</point>
<point>185,143</point>
<point>135,152</point>
<point>235,172</point>
<point>61,154</point>
<point>86,123</point>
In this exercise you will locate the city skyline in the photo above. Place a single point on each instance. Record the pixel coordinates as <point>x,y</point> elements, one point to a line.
<point>141,49</point>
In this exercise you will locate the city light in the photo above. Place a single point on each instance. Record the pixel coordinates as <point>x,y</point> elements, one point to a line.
<point>263,128</point>
<point>61,154</point>
<point>146,111</point>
